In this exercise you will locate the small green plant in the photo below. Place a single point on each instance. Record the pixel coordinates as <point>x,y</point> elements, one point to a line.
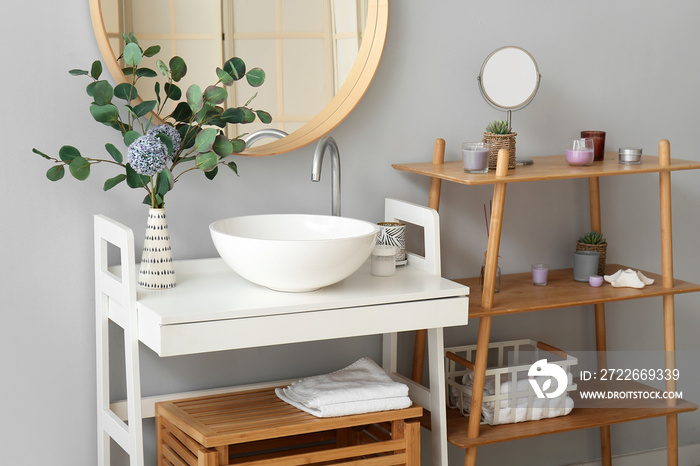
<point>498,127</point>
<point>592,237</point>
<point>190,138</point>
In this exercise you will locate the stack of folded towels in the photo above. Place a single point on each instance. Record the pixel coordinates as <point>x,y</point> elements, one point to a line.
<point>362,387</point>
<point>524,410</point>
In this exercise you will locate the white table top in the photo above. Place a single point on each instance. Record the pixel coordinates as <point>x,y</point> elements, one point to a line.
<point>208,290</point>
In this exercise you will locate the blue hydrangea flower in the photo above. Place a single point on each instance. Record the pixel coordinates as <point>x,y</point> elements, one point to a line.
<point>169,131</point>
<point>148,155</point>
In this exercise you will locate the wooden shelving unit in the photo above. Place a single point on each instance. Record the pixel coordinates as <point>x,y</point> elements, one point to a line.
<point>518,295</point>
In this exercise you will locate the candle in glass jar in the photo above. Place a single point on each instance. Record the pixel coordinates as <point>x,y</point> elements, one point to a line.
<point>579,157</point>
<point>580,152</point>
<point>476,157</point>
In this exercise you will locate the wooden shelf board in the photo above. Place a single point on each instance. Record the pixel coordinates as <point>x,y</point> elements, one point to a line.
<point>546,167</point>
<point>519,295</point>
<point>586,414</point>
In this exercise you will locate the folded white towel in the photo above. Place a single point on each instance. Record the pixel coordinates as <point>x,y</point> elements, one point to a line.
<point>362,387</point>
<point>519,400</point>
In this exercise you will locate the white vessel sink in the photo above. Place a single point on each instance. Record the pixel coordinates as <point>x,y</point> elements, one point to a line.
<point>294,252</point>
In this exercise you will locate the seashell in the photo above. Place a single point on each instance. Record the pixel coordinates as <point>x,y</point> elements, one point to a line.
<point>628,278</point>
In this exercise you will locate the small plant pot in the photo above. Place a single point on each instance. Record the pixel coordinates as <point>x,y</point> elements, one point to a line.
<point>498,142</point>
<point>585,265</point>
<point>600,249</point>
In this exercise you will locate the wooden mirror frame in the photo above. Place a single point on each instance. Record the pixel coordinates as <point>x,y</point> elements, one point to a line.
<point>345,100</point>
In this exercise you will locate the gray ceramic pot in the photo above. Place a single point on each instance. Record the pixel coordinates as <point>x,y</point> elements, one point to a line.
<point>585,265</point>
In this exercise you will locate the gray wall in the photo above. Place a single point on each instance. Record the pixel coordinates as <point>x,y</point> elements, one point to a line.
<point>627,67</point>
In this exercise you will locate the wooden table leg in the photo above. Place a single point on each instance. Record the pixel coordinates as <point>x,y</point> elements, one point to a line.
<point>600,336</point>
<point>668,301</point>
<point>482,345</point>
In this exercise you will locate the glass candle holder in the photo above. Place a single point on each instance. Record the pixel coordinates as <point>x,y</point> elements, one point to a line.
<point>475,156</point>
<point>539,274</point>
<point>598,143</point>
<point>580,152</point>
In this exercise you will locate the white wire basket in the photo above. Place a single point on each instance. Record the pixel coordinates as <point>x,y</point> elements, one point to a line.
<point>518,386</point>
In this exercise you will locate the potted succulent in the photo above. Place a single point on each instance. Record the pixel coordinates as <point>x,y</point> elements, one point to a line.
<point>190,138</point>
<point>594,241</point>
<point>500,135</point>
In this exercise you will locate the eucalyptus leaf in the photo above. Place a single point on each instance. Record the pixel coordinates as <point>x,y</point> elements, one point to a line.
<point>156,88</point>
<point>132,54</point>
<point>222,146</point>
<point>255,77</point>
<point>77,72</point>
<point>112,182</point>
<point>151,51</point>
<point>205,140</point>
<point>163,68</point>
<point>238,145</point>
<point>178,68</point>
<point>131,136</point>
<point>194,98</point>
<point>79,168</point>
<point>233,115</point>
<point>164,182</point>
<point>96,69</point>
<point>206,161</point>
<point>56,172</point>
<point>128,70</point>
<point>114,152</point>
<point>248,116</point>
<point>144,107</point>
<point>146,73</point>
<point>215,94</point>
<point>224,77</point>
<point>134,179</point>
<point>68,153</point>
<point>172,91</point>
<point>182,112</point>
<point>126,91</point>
<point>212,173</point>
<point>235,67</point>
<point>104,113</point>
<point>232,166</point>
<point>103,93</point>
<point>264,116</point>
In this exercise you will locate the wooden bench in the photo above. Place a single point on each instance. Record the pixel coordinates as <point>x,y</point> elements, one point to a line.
<point>256,428</point>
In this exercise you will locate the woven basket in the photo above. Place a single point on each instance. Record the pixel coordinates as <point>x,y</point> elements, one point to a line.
<point>599,248</point>
<point>498,142</point>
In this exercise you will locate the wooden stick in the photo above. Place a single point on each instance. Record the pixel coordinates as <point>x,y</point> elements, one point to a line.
<point>459,360</point>
<point>433,203</point>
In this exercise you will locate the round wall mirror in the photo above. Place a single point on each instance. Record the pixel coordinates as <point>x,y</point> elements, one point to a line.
<point>509,78</point>
<point>319,56</point>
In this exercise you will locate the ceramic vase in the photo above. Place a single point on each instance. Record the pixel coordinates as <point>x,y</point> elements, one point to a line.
<point>157,271</point>
<point>585,265</point>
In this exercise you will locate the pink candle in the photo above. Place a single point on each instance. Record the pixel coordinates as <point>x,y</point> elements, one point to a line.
<point>579,157</point>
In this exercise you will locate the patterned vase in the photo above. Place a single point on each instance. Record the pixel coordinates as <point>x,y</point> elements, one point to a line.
<point>157,271</point>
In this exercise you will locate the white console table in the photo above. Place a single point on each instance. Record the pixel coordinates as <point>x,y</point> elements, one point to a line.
<point>213,309</point>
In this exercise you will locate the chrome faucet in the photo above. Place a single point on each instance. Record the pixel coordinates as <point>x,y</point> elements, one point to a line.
<point>328,142</point>
<point>249,139</point>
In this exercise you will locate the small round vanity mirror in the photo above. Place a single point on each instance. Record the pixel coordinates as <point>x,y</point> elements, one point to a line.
<point>509,78</point>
